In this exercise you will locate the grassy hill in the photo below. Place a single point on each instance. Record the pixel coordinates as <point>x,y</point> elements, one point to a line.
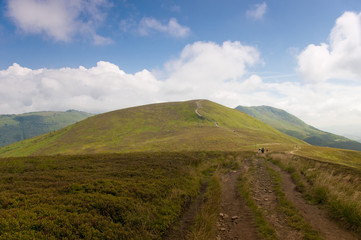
<point>293,126</point>
<point>158,127</point>
<point>17,127</point>
<point>133,173</point>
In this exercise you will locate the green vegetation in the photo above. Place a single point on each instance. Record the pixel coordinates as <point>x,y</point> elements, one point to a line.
<point>294,218</point>
<point>245,189</point>
<point>335,186</point>
<point>129,174</point>
<point>114,196</point>
<point>331,155</point>
<point>158,127</point>
<point>14,128</point>
<point>291,125</point>
<point>205,222</point>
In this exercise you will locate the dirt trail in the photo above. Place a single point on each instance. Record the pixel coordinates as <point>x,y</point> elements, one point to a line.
<point>200,115</point>
<point>312,214</point>
<point>295,149</point>
<point>235,220</point>
<point>187,219</point>
<point>198,106</point>
<point>267,201</point>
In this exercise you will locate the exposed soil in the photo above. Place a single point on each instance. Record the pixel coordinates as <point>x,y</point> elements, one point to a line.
<point>267,201</point>
<point>312,214</point>
<point>188,217</point>
<point>200,115</point>
<point>235,219</point>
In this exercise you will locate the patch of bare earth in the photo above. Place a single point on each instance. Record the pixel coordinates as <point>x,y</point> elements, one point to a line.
<point>267,201</point>
<point>187,220</point>
<point>315,216</point>
<point>235,219</point>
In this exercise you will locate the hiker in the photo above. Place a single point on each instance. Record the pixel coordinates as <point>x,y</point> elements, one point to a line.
<point>262,150</point>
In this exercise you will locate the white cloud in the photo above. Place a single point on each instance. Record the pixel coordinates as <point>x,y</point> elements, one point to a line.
<point>218,72</point>
<point>204,68</point>
<point>101,88</point>
<point>60,20</point>
<point>148,25</point>
<point>340,58</point>
<point>257,11</point>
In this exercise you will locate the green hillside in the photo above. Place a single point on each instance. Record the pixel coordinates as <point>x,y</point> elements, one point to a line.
<point>291,125</point>
<point>136,173</point>
<point>158,127</point>
<point>17,127</point>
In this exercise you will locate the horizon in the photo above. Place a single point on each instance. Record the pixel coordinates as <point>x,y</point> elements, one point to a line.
<point>97,56</point>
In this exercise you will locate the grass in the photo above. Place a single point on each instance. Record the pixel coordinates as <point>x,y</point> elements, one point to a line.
<point>157,128</point>
<point>140,195</point>
<point>342,157</point>
<point>14,128</point>
<point>264,228</point>
<point>294,218</point>
<point>108,196</point>
<point>337,187</point>
<point>293,126</point>
<point>204,227</point>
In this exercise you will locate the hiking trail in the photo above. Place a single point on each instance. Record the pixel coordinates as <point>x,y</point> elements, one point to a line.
<point>235,220</point>
<point>200,115</point>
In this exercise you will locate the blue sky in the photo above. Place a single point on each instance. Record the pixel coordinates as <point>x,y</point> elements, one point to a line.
<point>101,55</point>
<point>285,24</point>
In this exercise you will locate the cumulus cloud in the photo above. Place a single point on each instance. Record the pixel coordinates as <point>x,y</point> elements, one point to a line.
<point>340,58</point>
<point>101,88</point>
<point>257,11</point>
<point>218,72</point>
<point>204,68</point>
<point>60,20</point>
<point>148,25</point>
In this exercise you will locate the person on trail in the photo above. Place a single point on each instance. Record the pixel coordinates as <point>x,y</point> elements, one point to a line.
<point>262,150</point>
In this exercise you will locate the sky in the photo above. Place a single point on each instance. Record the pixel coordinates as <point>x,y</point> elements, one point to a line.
<point>101,55</point>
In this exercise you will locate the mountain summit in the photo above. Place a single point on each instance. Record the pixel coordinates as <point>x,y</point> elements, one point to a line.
<point>195,125</point>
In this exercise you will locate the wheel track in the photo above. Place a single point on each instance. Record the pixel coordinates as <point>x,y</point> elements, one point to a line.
<point>235,220</point>
<point>315,216</point>
<point>268,202</point>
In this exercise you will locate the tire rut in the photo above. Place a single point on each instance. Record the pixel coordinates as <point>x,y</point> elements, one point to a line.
<point>315,216</point>
<point>235,220</point>
<point>267,201</point>
<point>188,217</point>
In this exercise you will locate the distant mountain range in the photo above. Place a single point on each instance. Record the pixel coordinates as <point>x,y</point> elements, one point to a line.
<point>293,126</point>
<point>17,127</point>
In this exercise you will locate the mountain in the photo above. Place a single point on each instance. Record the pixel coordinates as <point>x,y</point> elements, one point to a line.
<point>293,126</point>
<point>353,137</point>
<point>17,127</point>
<point>195,125</point>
